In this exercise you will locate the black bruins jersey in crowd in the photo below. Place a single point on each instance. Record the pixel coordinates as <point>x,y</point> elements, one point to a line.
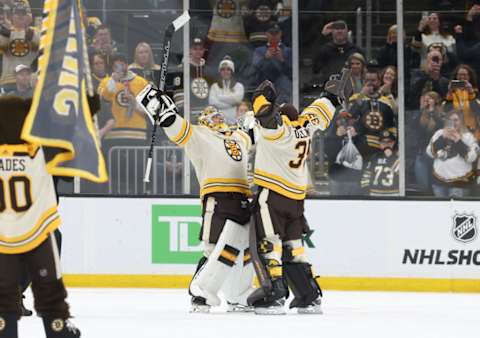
<point>381,175</point>
<point>374,116</point>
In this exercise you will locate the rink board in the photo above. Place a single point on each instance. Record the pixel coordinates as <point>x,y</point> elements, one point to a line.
<point>358,245</point>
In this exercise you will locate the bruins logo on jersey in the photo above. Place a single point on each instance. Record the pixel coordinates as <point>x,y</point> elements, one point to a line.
<point>233,149</point>
<point>19,47</point>
<point>122,99</point>
<point>374,121</point>
<point>226,8</point>
<point>200,88</point>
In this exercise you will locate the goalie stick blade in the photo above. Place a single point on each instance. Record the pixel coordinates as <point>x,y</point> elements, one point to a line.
<point>181,21</point>
<point>341,88</point>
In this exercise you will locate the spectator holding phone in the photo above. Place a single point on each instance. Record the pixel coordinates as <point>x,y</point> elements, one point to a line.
<point>331,56</point>
<point>388,88</point>
<point>273,62</point>
<point>462,96</point>
<point>127,125</point>
<point>449,59</point>
<point>454,152</point>
<point>425,122</point>
<point>432,30</point>
<point>428,79</point>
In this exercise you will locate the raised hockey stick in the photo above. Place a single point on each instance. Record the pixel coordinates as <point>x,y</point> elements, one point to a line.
<point>167,42</point>
<point>341,88</point>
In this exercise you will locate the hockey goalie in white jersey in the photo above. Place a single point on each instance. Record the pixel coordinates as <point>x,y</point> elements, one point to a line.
<point>283,138</point>
<point>219,155</point>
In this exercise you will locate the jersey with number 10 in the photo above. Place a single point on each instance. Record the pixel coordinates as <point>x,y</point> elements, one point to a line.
<point>28,205</point>
<point>281,153</point>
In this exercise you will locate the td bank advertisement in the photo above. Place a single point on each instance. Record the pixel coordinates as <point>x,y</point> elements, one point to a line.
<point>404,239</point>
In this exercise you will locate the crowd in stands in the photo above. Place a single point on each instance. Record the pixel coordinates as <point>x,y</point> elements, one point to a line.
<point>248,42</point>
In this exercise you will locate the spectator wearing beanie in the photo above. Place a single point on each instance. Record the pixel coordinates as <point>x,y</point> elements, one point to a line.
<point>226,93</point>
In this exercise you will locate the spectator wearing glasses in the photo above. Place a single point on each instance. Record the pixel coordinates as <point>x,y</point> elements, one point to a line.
<point>454,152</point>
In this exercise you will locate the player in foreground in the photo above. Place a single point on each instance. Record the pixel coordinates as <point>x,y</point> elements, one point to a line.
<point>28,218</point>
<point>283,138</point>
<point>220,156</point>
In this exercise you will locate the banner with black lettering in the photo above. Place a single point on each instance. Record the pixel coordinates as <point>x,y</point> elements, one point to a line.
<point>60,118</point>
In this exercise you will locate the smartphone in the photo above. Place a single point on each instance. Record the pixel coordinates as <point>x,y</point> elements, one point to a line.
<point>274,44</point>
<point>457,84</point>
<point>425,14</point>
<point>449,124</point>
<point>436,59</point>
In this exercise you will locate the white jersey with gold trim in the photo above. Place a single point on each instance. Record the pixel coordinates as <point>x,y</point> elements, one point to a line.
<point>28,204</point>
<point>220,159</point>
<point>281,153</point>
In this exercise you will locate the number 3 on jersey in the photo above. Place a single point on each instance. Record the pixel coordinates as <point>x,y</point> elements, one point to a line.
<point>303,148</point>
<point>17,187</point>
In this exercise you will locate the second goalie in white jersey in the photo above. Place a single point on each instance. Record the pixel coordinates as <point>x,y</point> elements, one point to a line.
<point>283,139</point>
<point>283,150</point>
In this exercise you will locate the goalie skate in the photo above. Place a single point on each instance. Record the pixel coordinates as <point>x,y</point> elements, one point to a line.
<point>275,307</point>
<point>236,307</point>
<point>199,305</point>
<point>314,308</point>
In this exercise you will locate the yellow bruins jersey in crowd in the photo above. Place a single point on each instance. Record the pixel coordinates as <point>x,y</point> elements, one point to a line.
<point>220,159</point>
<point>128,124</point>
<point>281,153</point>
<point>28,205</point>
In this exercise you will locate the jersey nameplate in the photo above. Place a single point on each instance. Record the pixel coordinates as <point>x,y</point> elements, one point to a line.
<point>12,164</point>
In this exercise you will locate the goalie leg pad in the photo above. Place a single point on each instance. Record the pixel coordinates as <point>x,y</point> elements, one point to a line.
<point>239,284</point>
<point>304,285</point>
<point>212,275</point>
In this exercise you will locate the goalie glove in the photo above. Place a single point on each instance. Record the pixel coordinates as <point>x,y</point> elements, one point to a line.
<point>158,106</point>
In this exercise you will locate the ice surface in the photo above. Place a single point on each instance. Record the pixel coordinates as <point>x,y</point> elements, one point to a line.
<point>156,313</point>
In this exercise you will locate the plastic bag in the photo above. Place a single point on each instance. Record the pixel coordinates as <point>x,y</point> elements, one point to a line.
<point>349,156</point>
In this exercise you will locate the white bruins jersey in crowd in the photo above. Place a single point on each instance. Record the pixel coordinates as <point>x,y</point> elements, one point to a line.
<point>220,160</point>
<point>281,153</point>
<point>28,204</point>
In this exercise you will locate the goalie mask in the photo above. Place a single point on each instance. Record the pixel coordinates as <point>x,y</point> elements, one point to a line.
<point>214,119</point>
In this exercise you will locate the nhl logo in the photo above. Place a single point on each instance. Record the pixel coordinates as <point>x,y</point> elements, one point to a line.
<point>464,228</point>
